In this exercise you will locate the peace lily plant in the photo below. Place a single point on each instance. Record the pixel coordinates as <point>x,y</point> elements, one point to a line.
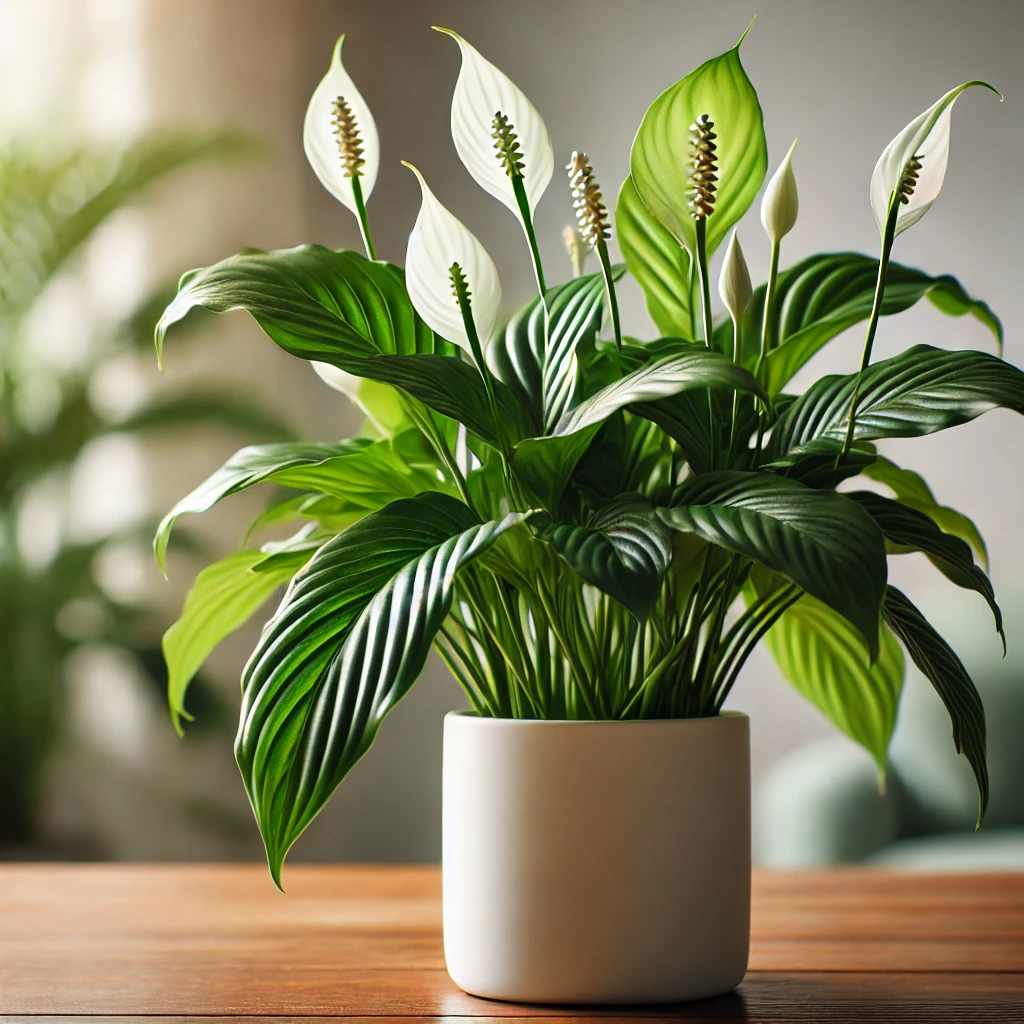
<point>586,525</point>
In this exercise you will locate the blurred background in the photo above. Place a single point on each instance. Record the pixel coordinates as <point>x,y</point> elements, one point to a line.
<point>139,138</point>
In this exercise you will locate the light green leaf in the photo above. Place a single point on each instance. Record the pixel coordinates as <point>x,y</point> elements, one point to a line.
<point>918,392</point>
<point>660,265</point>
<point>662,155</point>
<point>623,550</point>
<point>822,655</point>
<point>347,642</point>
<point>820,297</point>
<point>825,543</point>
<point>911,490</point>
<point>946,672</point>
<point>224,597</point>
<point>365,474</point>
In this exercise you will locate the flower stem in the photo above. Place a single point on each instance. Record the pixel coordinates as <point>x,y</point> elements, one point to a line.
<point>613,302</point>
<point>767,338</point>
<point>531,236</point>
<point>876,311</point>
<point>364,225</point>
<point>709,329</point>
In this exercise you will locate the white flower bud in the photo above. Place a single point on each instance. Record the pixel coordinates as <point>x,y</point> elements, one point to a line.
<point>734,283</point>
<point>780,205</point>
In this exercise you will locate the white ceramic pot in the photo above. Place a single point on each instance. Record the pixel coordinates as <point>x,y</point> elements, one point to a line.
<point>596,862</point>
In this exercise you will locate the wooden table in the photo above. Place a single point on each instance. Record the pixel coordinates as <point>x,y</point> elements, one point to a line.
<point>172,942</point>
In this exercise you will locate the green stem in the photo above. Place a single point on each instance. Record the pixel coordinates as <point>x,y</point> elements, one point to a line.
<point>709,329</point>
<point>519,189</point>
<point>364,225</point>
<point>876,310</point>
<point>426,425</point>
<point>613,302</point>
<point>767,340</point>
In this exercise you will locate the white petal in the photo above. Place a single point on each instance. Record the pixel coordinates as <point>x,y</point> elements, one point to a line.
<point>926,137</point>
<point>438,240</point>
<point>347,383</point>
<point>780,205</point>
<point>320,142</point>
<point>481,91</point>
<point>377,402</point>
<point>734,283</point>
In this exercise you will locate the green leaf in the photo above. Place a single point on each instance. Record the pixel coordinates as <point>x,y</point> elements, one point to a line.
<point>825,543</point>
<point>823,295</point>
<point>546,463</point>
<point>338,307</point>
<point>662,155</point>
<point>910,489</point>
<point>347,642</point>
<point>364,473</point>
<point>660,265</point>
<point>918,392</point>
<point>821,654</point>
<point>946,672</point>
<point>910,530</point>
<point>624,550</point>
<point>224,597</point>
<point>544,377</point>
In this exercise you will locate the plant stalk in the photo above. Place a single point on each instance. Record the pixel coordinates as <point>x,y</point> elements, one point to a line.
<point>613,302</point>
<point>364,224</point>
<point>709,328</point>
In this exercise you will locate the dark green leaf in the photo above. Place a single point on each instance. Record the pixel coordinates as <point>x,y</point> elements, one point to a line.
<point>544,377</point>
<point>821,654</point>
<point>624,550</point>
<point>946,672</point>
<point>920,391</point>
<point>825,543</point>
<point>662,156</point>
<point>910,530</point>
<point>911,489</point>
<point>348,641</point>
<point>823,295</point>
<point>660,265</point>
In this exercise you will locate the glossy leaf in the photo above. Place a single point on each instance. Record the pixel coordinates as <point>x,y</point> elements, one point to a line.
<point>347,642</point>
<point>224,597</point>
<point>544,376</point>
<point>822,655</point>
<point>825,543</point>
<point>660,265</point>
<point>662,154</point>
<point>546,463</point>
<point>339,308</point>
<point>946,672</point>
<point>925,141</point>
<point>366,474</point>
<point>624,550</point>
<point>918,392</point>
<point>907,529</point>
<point>824,295</point>
<point>911,489</point>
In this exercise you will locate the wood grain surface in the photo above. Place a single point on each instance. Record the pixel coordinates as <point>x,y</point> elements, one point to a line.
<point>162,943</point>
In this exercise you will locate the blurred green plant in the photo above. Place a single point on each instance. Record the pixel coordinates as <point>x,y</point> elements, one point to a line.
<point>51,204</point>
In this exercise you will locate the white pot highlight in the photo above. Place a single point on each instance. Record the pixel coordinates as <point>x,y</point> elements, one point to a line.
<point>596,862</point>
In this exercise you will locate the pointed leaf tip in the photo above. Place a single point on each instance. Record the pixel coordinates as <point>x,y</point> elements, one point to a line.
<point>746,32</point>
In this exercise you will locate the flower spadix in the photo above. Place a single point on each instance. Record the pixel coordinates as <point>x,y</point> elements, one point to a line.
<point>734,283</point>
<point>780,205</point>
<point>340,136</point>
<point>438,242</point>
<point>498,133</point>
<point>912,167</point>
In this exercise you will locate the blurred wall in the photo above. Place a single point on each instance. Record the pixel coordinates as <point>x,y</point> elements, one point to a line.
<point>843,77</point>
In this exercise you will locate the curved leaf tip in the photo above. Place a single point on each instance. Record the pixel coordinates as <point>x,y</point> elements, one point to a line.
<point>746,32</point>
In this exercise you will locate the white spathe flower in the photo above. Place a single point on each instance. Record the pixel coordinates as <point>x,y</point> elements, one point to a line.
<point>780,205</point>
<point>438,240</point>
<point>481,93</point>
<point>378,402</point>
<point>914,163</point>
<point>334,153</point>
<point>734,282</point>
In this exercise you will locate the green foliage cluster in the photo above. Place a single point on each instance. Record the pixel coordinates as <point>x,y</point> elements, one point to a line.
<point>585,529</point>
